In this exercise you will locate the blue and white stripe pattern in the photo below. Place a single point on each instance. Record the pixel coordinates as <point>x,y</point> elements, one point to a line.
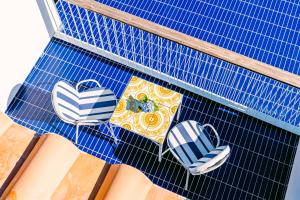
<point>210,161</point>
<point>191,146</point>
<point>91,106</point>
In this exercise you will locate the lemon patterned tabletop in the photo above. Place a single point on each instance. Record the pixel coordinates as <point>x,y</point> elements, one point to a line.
<point>153,125</point>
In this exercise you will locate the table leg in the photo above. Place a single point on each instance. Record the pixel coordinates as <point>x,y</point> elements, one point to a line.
<point>160,152</point>
<point>187,179</point>
<point>178,112</point>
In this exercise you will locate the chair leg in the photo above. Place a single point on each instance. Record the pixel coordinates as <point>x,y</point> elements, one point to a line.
<point>112,132</point>
<point>187,179</point>
<point>76,134</point>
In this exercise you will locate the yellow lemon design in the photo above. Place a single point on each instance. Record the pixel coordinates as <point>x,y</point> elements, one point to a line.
<point>159,124</point>
<point>120,114</point>
<point>145,119</point>
<point>140,96</point>
<point>174,109</point>
<point>127,126</point>
<point>121,106</point>
<point>140,122</point>
<point>154,120</point>
<point>165,96</point>
<point>164,91</point>
<point>160,140</point>
<point>135,81</point>
<point>135,84</point>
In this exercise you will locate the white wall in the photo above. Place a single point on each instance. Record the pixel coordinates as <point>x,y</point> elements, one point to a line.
<point>23,36</point>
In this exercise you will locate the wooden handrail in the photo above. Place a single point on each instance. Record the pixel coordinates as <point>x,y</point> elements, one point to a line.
<point>192,42</point>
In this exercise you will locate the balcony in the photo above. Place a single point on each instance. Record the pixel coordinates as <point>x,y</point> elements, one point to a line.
<point>256,114</point>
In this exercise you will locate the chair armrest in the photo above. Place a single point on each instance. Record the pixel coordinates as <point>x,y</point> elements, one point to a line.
<point>214,130</point>
<point>84,81</point>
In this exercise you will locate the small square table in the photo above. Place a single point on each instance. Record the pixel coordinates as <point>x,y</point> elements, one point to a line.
<point>152,125</point>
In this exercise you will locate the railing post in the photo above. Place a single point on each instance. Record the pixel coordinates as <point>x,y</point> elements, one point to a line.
<point>50,16</point>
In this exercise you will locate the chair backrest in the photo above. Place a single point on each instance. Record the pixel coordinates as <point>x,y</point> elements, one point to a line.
<point>91,104</point>
<point>189,142</point>
<point>97,104</point>
<point>65,100</point>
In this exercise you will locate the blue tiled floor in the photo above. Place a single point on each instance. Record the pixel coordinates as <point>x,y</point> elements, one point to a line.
<point>262,155</point>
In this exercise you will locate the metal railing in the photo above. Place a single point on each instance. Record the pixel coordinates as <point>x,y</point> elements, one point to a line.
<point>227,83</point>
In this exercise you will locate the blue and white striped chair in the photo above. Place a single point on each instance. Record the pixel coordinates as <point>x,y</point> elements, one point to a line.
<point>89,107</point>
<point>191,146</point>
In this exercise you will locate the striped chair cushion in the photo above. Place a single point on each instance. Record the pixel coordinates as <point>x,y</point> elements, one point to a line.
<point>188,141</point>
<point>210,161</point>
<point>90,105</point>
